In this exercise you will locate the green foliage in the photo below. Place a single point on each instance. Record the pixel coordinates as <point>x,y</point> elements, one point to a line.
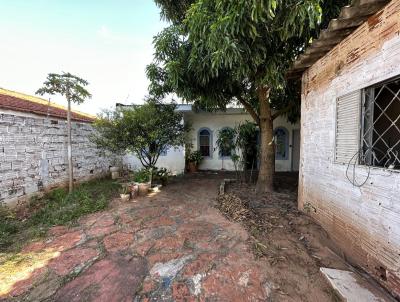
<point>161,174</point>
<point>8,225</point>
<point>59,207</point>
<point>54,208</point>
<point>225,141</point>
<point>145,130</point>
<point>218,52</point>
<point>174,10</point>
<point>67,85</point>
<point>194,157</point>
<point>142,176</point>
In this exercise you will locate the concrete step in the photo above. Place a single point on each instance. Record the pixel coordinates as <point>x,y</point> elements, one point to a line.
<point>352,287</point>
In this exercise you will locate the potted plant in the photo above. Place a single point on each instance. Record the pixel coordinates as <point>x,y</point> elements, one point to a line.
<point>194,159</point>
<point>161,175</point>
<point>125,193</point>
<point>142,178</point>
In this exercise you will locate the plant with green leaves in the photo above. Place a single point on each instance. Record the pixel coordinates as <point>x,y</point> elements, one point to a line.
<point>247,142</point>
<point>194,157</point>
<point>73,89</point>
<point>144,130</point>
<point>225,143</point>
<point>219,51</point>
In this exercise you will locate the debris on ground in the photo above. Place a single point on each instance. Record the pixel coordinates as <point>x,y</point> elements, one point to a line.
<point>292,246</point>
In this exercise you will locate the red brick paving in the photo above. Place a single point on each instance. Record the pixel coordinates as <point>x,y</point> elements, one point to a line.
<point>197,253</point>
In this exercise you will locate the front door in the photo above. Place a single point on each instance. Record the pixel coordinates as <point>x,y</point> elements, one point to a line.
<point>296,150</point>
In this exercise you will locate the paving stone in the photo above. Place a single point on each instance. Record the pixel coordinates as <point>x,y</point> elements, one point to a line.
<point>72,259</point>
<point>112,279</point>
<point>117,241</point>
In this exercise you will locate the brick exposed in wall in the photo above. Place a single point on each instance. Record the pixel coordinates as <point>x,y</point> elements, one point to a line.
<point>365,221</point>
<point>33,155</point>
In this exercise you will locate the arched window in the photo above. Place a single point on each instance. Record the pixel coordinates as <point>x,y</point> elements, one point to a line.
<point>281,144</point>
<point>205,142</point>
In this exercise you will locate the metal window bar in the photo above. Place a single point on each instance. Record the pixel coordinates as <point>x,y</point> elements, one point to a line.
<point>370,154</point>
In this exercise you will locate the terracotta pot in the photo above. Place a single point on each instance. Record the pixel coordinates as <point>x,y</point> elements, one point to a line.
<point>193,167</point>
<point>144,188</point>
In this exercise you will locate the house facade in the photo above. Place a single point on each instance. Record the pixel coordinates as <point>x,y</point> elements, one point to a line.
<point>350,136</point>
<point>203,136</point>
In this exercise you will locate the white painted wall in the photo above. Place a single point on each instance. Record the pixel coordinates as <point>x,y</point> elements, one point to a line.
<point>218,121</point>
<point>175,158</point>
<point>365,221</point>
<point>174,161</point>
<point>214,122</point>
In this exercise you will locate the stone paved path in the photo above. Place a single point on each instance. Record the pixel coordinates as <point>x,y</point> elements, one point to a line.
<point>172,246</point>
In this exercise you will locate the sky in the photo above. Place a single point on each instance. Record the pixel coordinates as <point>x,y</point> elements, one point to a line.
<point>106,42</point>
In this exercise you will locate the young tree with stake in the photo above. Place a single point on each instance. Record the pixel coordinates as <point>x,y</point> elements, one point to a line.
<point>73,89</point>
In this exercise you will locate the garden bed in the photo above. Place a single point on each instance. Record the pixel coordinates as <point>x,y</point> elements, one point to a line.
<point>31,221</point>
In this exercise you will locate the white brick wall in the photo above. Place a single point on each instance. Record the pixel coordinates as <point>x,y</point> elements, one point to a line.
<point>364,221</point>
<point>33,154</point>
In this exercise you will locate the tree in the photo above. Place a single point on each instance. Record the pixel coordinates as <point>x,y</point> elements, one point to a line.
<point>239,50</point>
<point>144,130</point>
<point>73,89</point>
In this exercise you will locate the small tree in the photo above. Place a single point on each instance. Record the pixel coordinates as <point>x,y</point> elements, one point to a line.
<point>225,143</point>
<point>73,89</point>
<point>145,130</point>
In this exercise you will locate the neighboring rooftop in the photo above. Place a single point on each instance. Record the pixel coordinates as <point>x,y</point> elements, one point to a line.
<point>16,101</point>
<point>349,19</point>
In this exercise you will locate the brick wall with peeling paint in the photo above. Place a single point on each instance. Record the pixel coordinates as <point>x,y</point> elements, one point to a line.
<point>33,154</point>
<point>364,221</point>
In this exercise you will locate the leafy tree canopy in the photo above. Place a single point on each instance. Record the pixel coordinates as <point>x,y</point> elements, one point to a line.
<point>67,85</point>
<point>145,130</point>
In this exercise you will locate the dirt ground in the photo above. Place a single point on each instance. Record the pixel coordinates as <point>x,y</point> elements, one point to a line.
<point>291,246</point>
<point>175,245</point>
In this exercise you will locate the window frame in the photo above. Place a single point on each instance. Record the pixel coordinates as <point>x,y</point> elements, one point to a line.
<point>210,141</point>
<point>362,123</point>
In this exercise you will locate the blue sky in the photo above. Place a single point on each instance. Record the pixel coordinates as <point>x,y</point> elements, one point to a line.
<point>109,43</point>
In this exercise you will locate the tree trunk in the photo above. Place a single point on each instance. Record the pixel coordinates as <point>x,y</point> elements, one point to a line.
<point>70,170</point>
<point>267,151</point>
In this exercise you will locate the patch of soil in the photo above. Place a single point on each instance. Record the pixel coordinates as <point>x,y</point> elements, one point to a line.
<point>293,246</point>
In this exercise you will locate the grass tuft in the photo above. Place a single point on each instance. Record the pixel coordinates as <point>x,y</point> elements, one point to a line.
<point>54,208</point>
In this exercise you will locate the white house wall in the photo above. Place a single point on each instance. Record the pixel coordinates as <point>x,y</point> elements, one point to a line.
<point>218,121</point>
<point>364,221</point>
<point>173,161</point>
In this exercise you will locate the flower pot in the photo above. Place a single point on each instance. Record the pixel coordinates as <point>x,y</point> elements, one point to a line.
<point>134,191</point>
<point>125,197</point>
<point>144,188</point>
<point>192,167</point>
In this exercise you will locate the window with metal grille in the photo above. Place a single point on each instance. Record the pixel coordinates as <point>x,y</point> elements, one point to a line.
<point>381,125</point>
<point>205,144</point>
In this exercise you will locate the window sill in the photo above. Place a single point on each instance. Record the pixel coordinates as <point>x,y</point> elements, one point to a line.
<point>382,169</point>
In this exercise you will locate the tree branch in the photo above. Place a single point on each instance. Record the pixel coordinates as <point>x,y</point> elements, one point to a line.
<point>282,111</point>
<point>249,109</point>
